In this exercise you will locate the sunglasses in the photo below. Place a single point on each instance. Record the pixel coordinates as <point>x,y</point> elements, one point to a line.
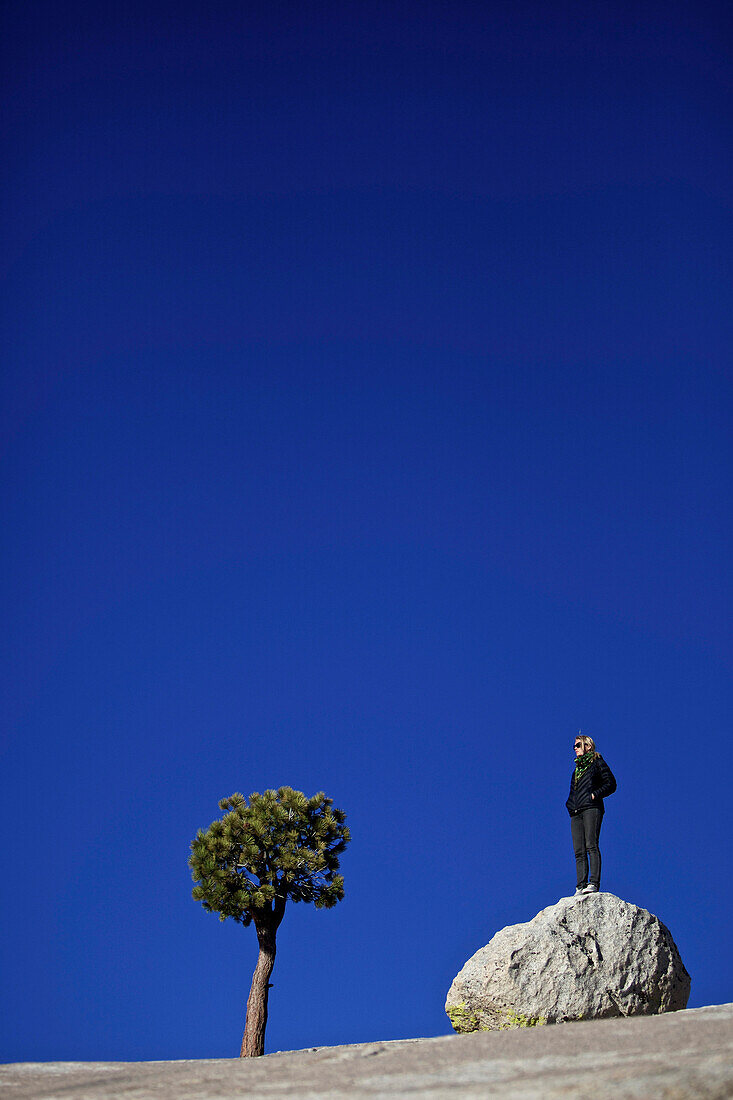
<point>578,745</point>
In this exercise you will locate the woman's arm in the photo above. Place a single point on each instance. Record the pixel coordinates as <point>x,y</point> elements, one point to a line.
<point>608,783</point>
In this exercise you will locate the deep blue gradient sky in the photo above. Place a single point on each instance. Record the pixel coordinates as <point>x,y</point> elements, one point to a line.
<point>365,428</point>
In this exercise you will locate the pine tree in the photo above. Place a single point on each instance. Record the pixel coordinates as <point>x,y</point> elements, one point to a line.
<point>248,863</point>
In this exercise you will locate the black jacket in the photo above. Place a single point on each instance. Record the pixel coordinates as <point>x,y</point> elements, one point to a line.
<point>598,780</point>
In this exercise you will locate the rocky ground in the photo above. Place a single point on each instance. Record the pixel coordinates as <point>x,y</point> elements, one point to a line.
<point>675,1056</point>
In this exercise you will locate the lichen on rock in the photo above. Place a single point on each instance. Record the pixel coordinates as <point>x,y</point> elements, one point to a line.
<point>517,1019</point>
<point>461,1019</point>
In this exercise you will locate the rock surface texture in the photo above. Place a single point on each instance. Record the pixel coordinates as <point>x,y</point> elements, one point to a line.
<point>677,1056</point>
<point>585,958</point>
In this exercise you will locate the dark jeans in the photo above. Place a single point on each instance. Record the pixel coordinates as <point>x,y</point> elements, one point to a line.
<point>585,828</point>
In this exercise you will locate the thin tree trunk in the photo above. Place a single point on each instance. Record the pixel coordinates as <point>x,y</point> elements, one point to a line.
<point>253,1040</point>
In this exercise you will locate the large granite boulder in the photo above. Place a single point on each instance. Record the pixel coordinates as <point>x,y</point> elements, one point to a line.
<point>584,958</point>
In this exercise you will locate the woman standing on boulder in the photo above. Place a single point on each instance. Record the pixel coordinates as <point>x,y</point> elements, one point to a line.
<point>590,782</point>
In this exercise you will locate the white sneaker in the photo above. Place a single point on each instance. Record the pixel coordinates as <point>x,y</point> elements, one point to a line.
<point>591,888</point>
<point>579,891</point>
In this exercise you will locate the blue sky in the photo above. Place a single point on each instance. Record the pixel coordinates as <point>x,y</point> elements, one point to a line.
<point>365,428</point>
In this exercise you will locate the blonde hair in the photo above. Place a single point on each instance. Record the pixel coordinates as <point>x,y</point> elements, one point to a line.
<point>588,743</point>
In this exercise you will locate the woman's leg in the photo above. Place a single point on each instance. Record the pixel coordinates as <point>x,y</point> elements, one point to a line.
<point>592,828</point>
<point>577,830</point>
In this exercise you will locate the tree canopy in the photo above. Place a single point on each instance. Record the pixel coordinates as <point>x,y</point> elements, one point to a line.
<point>281,845</point>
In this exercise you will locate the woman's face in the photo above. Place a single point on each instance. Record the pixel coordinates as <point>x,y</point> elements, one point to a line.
<point>579,748</point>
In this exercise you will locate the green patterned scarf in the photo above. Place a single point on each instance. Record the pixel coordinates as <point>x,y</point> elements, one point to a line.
<point>583,763</point>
